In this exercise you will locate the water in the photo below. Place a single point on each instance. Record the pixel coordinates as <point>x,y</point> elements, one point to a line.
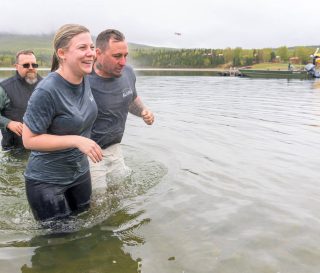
<point>227,180</point>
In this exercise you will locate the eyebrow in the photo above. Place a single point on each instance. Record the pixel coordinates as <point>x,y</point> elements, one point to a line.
<point>119,54</point>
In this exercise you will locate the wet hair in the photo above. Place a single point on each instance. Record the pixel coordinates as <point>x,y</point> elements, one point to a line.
<point>23,52</point>
<point>62,39</point>
<point>102,41</point>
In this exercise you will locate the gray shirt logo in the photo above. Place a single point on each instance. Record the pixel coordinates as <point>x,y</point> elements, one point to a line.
<point>126,92</point>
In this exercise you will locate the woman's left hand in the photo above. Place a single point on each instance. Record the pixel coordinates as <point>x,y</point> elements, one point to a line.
<point>90,148</point>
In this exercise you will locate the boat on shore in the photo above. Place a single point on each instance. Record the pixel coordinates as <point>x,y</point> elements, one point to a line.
<point>278,74</point>
<point>309,72</point>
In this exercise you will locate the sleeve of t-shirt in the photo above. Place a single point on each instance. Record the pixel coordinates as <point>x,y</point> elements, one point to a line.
<point>133,79</point>
<point>135,94</point>
<point>40,111</point>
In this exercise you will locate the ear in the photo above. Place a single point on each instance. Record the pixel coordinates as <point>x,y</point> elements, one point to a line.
<point>61,53</point>
<point>98,52</point>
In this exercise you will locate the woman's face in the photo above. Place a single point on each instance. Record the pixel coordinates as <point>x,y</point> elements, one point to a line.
<point>78,58</point>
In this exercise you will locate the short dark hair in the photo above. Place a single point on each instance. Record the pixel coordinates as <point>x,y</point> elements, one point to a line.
<point>23,52</point>
<point>104,37</point>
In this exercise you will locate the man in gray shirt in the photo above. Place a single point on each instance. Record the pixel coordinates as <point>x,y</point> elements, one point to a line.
<point>14,95</point>
<point>113,87</point>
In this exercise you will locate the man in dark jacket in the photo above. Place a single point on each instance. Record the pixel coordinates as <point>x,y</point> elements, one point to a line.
<point>14,95</point>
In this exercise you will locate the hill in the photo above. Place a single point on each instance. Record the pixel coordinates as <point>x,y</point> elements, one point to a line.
<point>15,42</point>
<point>42,46</point>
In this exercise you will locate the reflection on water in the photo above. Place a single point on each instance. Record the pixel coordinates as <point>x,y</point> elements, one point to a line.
<point>168,72</point>
<point>90,242</point>
<point>13,202</point>
<point>96,249</point>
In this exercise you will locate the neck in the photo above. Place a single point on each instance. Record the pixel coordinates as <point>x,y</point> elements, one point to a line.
<point>72,78</point>
<point>99,71</point>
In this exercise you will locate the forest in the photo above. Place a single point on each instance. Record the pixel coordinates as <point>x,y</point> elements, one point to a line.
<point>142,56</point>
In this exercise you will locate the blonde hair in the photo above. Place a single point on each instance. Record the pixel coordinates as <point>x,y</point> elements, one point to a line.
<point>62,39</point>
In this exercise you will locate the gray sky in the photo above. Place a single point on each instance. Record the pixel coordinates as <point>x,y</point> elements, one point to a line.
<point>202,23</point>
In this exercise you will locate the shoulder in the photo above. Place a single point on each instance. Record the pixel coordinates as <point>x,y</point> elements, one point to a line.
<point>8,81</point>
<point>92,76</point>
<point>95,80</point>
<point>128,70</point>
<point>50,81</point>
<point>47,86</point>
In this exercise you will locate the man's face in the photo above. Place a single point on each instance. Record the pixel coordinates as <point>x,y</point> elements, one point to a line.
<point>28,73</point>
<point>113,59</point>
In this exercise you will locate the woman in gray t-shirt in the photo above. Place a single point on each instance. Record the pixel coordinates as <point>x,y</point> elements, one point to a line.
<point>57,127</point>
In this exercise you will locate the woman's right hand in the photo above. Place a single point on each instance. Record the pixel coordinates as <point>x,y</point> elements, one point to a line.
<point>90,148</point>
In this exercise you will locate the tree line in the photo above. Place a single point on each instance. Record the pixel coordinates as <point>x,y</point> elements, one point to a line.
<point>153,57</point>
<point>211,58</point>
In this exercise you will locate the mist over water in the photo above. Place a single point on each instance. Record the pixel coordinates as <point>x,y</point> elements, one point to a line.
<point>226,180</point>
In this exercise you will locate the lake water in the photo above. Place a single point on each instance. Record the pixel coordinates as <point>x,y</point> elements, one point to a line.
<point>227,180</point>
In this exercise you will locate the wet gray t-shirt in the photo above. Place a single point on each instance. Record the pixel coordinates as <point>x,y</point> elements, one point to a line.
<point>113,97</point>
<point>60,108</point>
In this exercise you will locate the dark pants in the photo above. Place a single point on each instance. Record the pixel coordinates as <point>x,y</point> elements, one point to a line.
<point>10,140</point>
<point>52,201</point>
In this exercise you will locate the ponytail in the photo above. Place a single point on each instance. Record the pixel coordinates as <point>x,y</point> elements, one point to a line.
<point>55,62</point>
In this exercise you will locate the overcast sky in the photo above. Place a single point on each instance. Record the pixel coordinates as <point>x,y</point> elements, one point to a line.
<point>202,23</point>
